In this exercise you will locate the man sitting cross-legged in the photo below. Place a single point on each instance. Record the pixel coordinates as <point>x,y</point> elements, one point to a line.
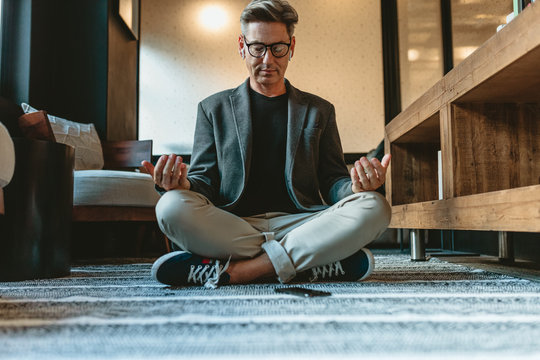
<point>264,153</point>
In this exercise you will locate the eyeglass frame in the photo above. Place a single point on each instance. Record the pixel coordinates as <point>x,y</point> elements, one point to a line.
<point>266,47</point>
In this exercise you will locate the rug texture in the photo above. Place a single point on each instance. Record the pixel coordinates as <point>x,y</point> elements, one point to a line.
<point>405,309</point>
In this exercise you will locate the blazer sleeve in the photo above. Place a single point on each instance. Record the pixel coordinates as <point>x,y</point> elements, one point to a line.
<point>203,171</point>
<point>334,179</point>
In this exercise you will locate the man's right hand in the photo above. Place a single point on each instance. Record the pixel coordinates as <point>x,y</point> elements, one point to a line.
<point>169,173</point>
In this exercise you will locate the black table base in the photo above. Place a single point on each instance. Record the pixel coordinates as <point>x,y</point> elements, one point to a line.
<point>35,241</point>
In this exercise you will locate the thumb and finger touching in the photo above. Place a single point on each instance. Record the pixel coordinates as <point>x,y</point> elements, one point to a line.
<point>369,175</point>
<point>169,172</point>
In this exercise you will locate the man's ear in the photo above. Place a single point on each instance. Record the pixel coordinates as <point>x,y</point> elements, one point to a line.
<point>291,50</point>
<point>241,47</point>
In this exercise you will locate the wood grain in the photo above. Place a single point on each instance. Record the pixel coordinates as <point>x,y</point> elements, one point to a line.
<point>388,183</point>
<point>495,146</point>
<point>507,210</point>
<point>447,144</point>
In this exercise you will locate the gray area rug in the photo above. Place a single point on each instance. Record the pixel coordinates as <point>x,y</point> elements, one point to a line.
<point>423,310</point>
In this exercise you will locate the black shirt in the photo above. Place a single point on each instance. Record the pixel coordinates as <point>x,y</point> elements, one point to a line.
<point>266,190</point>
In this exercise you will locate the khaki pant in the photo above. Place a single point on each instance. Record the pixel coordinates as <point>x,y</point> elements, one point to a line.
<point>293,242</point>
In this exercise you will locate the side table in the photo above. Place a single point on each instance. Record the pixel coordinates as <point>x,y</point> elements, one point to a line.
<point>38,212</point>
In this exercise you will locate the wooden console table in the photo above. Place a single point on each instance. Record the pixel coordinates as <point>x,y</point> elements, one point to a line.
<point>484,117</point>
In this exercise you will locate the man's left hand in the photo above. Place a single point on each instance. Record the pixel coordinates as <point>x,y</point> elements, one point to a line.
<point>369,175</point>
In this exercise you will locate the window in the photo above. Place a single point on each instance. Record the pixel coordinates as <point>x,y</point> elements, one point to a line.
<point>475,21</point>
<point>420,47</point>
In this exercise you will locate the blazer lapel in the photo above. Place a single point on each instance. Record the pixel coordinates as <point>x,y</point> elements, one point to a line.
<point>295,125</point>
<point>241,113</point>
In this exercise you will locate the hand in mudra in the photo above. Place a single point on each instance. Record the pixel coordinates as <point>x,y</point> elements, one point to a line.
<point>169,173</point>
<point>369,175</point>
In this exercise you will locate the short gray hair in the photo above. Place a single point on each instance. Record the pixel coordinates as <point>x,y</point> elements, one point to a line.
<point>269,11</point>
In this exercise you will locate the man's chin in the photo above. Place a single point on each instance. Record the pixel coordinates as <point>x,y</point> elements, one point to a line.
<point>268,79</point>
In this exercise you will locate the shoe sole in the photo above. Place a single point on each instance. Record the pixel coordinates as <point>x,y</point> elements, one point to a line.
<point>161,260</point>
<point>371,266</point>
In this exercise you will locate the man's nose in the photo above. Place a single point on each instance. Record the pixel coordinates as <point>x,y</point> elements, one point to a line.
<point>268,57</point>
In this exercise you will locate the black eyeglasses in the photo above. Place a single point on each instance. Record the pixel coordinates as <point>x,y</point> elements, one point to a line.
<point>258,50</point>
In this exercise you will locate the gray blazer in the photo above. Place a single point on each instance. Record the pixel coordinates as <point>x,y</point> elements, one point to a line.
<point>221,155</point>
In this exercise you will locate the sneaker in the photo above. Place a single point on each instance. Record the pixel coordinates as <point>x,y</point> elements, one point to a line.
<point>180,268</point>
<point>356,267</point>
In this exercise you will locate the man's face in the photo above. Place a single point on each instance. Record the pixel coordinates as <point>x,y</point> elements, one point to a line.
<point>266,71</point>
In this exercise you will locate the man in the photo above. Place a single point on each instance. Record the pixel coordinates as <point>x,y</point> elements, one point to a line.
<point>264,153</point>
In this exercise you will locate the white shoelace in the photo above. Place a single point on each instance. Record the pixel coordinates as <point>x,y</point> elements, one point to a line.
<point>329,270</point>
<point>207,275</point>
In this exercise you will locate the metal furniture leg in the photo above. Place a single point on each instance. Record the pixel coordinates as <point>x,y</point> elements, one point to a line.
<point>506,247</point>
<point>418,249</point>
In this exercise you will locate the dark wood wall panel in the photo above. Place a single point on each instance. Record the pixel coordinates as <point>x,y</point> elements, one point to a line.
<point>122,81</point>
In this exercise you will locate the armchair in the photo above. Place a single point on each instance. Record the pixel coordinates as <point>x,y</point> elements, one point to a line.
<point>103,191</point>
<point>114,194</point>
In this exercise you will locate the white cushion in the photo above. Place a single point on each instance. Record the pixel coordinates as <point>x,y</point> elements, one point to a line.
<point>83,137</point>
<point>113,188</point>
<point>7,156</point>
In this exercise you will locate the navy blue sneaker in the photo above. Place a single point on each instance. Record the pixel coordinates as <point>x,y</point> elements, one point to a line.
<point>356,267</point>
<point>181,268</point>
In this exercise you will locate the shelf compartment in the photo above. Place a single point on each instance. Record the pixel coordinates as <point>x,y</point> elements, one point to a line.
<point>507,210</point>
<point>495,146</point>
<point>517,83</point>
<point>414,171</point>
